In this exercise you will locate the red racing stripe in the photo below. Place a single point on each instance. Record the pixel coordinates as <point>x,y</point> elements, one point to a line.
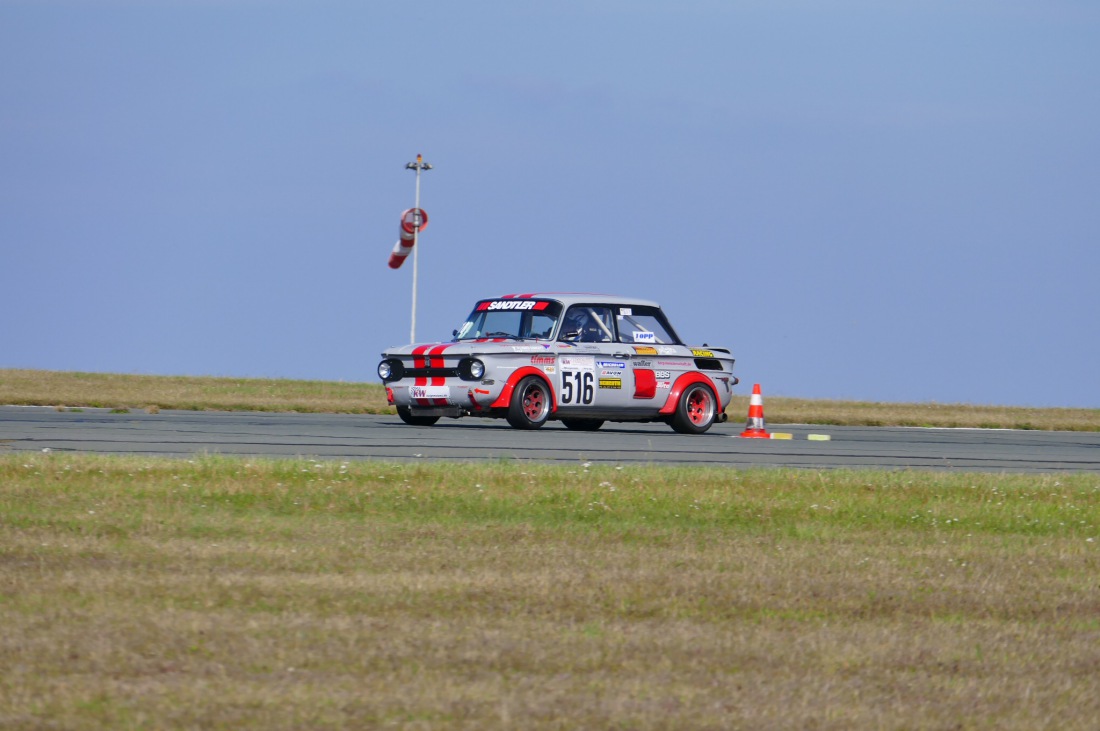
<point>438,363</point>
<point>418,362</point>
<point>418,359</point>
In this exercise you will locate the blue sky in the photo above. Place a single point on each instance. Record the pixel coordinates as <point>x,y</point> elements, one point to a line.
<point>863,200</point>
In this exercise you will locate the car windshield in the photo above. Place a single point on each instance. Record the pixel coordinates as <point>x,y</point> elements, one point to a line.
<point>515,319</point>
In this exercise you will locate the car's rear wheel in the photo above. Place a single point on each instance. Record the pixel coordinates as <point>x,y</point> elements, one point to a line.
<point>695,411</point>
<point>582,424</point>
<point>530,404</point>
<point>407,416</point>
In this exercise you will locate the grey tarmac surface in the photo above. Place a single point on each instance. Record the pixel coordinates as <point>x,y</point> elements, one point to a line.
<point>342,436</point>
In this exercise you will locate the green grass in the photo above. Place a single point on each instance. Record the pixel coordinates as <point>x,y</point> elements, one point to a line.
<point>231,593</point>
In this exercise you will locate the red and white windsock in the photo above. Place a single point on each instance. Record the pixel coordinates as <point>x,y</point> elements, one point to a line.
<point>413,221</point>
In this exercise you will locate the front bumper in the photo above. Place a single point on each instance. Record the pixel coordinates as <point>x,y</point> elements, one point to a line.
<point>459,397</point>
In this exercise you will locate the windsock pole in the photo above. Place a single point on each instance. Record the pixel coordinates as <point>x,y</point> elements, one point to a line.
<point>417,166</point>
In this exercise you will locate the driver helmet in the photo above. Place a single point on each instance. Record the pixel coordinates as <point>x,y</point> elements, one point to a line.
<point>576,322</point>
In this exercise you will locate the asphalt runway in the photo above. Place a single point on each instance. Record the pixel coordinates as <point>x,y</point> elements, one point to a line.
<point>343,436</point>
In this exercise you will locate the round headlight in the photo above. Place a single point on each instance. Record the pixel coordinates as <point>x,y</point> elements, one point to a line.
<point>471,369</point>
<point>384,370</point>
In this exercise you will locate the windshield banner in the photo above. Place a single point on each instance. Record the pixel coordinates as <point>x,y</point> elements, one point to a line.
<point>513,305</point>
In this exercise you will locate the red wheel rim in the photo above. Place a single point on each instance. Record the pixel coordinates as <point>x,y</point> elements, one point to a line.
<point>700,408</point>
<point>534,402</point>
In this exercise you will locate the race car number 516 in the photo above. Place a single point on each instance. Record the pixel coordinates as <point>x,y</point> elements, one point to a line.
<point>577,387</point>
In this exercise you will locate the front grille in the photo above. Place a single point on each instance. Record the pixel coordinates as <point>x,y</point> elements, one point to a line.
<point>431,373</point>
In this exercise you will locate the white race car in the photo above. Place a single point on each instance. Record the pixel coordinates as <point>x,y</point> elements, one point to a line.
<point>577,358</point>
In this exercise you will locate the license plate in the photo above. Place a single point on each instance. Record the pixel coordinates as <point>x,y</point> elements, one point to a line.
<point>431,392</point>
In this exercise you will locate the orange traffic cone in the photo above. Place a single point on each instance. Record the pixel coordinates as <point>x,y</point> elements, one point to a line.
<point>754,428</point>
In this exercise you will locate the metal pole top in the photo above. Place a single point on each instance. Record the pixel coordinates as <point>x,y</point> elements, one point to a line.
<point>418,165</point>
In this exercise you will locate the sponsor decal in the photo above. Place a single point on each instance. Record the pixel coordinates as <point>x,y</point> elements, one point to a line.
<point>526,348</point>
<point>577,363</point>
<point>542,360</point>
<point>482,391</point>
<point>611,364</point>
<point>548,369</point>
<point>676,363</point>
<point>701,353</point>
<point>611,383</point>
<point>513,305</point>
<point>662,374</point>
<point>431,392</point>
<point>645,350</point>
<point>625,312</point>
<point>664,384</point>
<point>644,337</point>
<point>667,350</point>
<point>607,372</point>
<point>643,364</point>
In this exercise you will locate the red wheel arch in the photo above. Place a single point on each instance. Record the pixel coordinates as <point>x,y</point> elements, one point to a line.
<point>682,383</point>
<point>505,397</point>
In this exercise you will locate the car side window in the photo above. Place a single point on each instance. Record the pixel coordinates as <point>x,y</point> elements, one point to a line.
<point>588,324</point>
<point>644,326</point>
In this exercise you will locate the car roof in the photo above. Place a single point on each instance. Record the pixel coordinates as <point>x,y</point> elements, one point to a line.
<point>572,298</point>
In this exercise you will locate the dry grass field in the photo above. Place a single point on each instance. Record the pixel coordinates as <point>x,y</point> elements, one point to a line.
<point>112,390</point>
<point>65,389</point>
<point>231,594</point>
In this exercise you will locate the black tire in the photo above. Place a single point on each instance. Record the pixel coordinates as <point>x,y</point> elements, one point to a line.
<point>530,404</point>
<point>695,411</point>
<point>582,424</point>
<point>406,416</point>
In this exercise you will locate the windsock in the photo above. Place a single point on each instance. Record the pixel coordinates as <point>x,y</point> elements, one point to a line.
<point>412,221</point>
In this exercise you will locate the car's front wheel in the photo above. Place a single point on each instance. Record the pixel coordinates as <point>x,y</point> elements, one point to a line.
<point>695,411</point>
<point>530,404</point>
<point>407,416</point>
<point>582,424</point>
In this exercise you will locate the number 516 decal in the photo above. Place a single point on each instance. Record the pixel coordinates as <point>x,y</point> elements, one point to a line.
<point>577,387</point>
